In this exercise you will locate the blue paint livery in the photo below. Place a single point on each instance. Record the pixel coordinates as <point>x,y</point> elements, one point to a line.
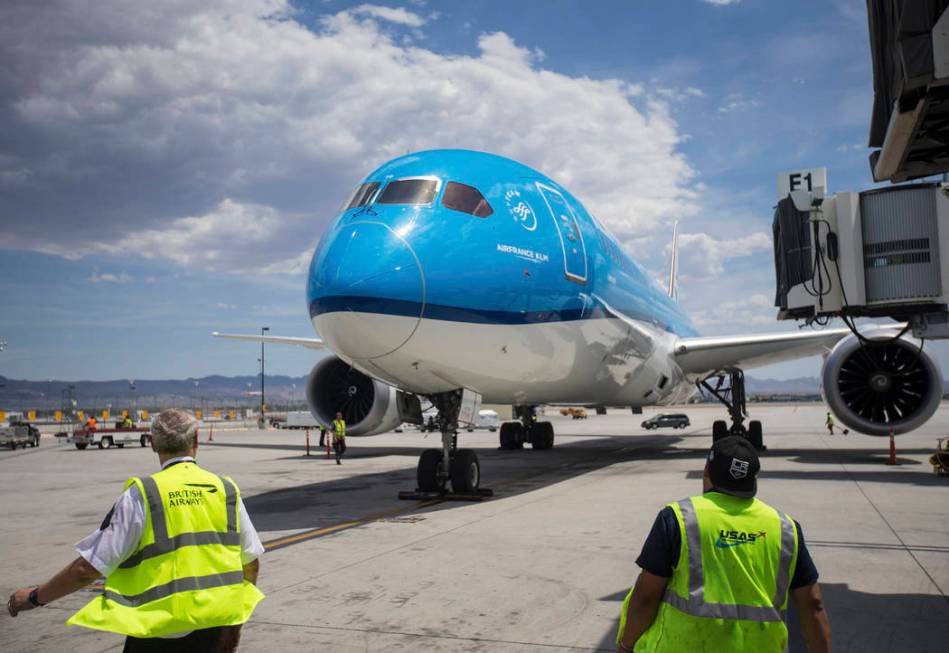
<point>539,257</point>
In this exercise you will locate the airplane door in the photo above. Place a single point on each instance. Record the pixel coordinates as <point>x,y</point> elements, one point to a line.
<point>568,228</point>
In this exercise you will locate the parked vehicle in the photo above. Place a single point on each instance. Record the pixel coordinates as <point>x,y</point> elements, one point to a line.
<point>19,435</point>
<point>667,420</point>
<point>575,413</point>
<point>486,419</point>
<point>299,419</point>
<point>107,438</point>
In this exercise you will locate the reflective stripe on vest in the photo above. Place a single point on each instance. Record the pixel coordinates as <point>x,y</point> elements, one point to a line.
<point>696,605</point>
<point>175,586</point>
<point>339,426</point>
<point>164,544</point>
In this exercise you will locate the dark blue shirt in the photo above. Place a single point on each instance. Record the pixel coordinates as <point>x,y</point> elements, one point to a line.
<point>660,552</point>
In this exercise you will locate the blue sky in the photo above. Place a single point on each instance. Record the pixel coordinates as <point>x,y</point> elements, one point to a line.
<point>168,168</point>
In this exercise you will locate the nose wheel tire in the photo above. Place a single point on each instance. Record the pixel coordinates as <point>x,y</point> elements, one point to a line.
<point>427,473</point>
<point>465,472</point>
<point>719,430</point>
<point>755,435</point>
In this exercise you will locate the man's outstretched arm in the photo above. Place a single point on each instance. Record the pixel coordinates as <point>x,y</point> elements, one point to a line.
<point>814,624</point>
<point>643,607</point>
<point>76,575</point>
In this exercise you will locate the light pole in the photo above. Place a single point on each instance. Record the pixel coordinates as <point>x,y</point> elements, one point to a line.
<point>293,395</point>
<point>263,403</point>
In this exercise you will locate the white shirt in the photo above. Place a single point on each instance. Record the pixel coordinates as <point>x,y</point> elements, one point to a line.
<point>117,538</point>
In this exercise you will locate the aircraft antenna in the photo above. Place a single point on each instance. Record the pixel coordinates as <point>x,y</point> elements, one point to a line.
<point>674,261</point>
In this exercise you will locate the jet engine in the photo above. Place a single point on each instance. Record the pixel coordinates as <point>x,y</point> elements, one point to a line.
<point>368,406</point>
<point>881,383</point>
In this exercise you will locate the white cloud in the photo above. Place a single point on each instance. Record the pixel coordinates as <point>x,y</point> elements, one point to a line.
<point>393,15</point>
<point>225,134</point>
<point>752,311</point>
<point>738,102</point>
<point>679,94</point>
<point>712,254</point>
<point>721,3</point>
<point>109,277</point>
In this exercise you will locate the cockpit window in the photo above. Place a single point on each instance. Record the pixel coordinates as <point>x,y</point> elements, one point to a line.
<point>362,195</point>
<point>467,199</point>
<point>409,191</point>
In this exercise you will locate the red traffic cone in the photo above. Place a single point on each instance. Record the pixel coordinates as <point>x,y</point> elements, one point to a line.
<point>308,442</point>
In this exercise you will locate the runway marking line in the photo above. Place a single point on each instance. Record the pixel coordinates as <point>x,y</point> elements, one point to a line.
<point>296,538</point>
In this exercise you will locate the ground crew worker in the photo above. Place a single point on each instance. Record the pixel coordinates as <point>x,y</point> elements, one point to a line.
<point>829,423</point>
<point>717,570</point>
<point>339,437</point>
<point>178,552</point>
<point>91,423</point>
<point>127,422</point>
<point>322,436</point>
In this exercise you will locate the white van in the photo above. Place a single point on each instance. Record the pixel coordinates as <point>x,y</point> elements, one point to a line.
<point>486,419</point>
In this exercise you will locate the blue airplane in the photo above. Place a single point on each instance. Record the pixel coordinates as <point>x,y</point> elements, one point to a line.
<point>453,277</point>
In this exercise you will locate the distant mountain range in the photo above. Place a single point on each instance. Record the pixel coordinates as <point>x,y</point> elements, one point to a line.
<point>245,390</point>
<point>16,394</point>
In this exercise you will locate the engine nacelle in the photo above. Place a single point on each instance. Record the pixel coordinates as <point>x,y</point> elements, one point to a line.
<point>881,384</point>
<point>368,406</point>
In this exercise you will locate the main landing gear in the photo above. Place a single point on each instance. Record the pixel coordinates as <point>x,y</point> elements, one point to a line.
<point>733,397</point>
<point>513,435</point>
<point>439,467</point>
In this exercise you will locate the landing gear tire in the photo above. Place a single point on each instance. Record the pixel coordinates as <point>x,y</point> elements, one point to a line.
<point>755,435</point>
<point>512,435</point>
<point>465,472</point>
<point>429,466</point>
<point>542,435</point>
<point>719,430</point>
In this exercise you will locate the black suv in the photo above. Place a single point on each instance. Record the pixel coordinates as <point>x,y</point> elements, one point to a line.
<point>672,420</point>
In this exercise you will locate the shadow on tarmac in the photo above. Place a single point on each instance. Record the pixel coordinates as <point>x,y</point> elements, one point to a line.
<point>510,473</point>
<point>859,622</point>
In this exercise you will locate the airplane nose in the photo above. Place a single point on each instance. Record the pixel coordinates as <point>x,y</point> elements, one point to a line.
<point>368,292</point>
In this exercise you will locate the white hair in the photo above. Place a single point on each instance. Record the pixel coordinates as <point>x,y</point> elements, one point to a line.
<point>174,431</point>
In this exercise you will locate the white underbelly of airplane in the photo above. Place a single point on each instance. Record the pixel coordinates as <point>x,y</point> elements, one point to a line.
<point>591,361</point>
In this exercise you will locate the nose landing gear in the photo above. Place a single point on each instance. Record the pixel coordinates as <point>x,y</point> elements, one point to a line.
<point>439,468</point>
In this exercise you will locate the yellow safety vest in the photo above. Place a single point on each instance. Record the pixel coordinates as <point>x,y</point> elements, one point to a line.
<point>339,427</point>
<point>729,590</point>
<point>186,573</point>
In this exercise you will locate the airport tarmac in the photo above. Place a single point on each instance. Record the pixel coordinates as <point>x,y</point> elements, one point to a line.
<point>542,566</point>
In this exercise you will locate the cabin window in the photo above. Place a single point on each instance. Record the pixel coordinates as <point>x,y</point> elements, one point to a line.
<point>362,195</point>
<point>467,199</point>
<point>409,191</point>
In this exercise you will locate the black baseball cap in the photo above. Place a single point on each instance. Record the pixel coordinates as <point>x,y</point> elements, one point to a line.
<point>733,467</point>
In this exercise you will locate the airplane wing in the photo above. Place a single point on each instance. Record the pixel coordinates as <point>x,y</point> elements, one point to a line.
<point>309,343</point>
<point>706,355</point>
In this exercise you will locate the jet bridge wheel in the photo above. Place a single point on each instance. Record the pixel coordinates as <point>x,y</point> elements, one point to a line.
<point>428,471</point>
<point>465,471</point>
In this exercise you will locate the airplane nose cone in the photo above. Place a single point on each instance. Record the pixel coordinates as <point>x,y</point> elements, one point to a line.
<point>367,291</point>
